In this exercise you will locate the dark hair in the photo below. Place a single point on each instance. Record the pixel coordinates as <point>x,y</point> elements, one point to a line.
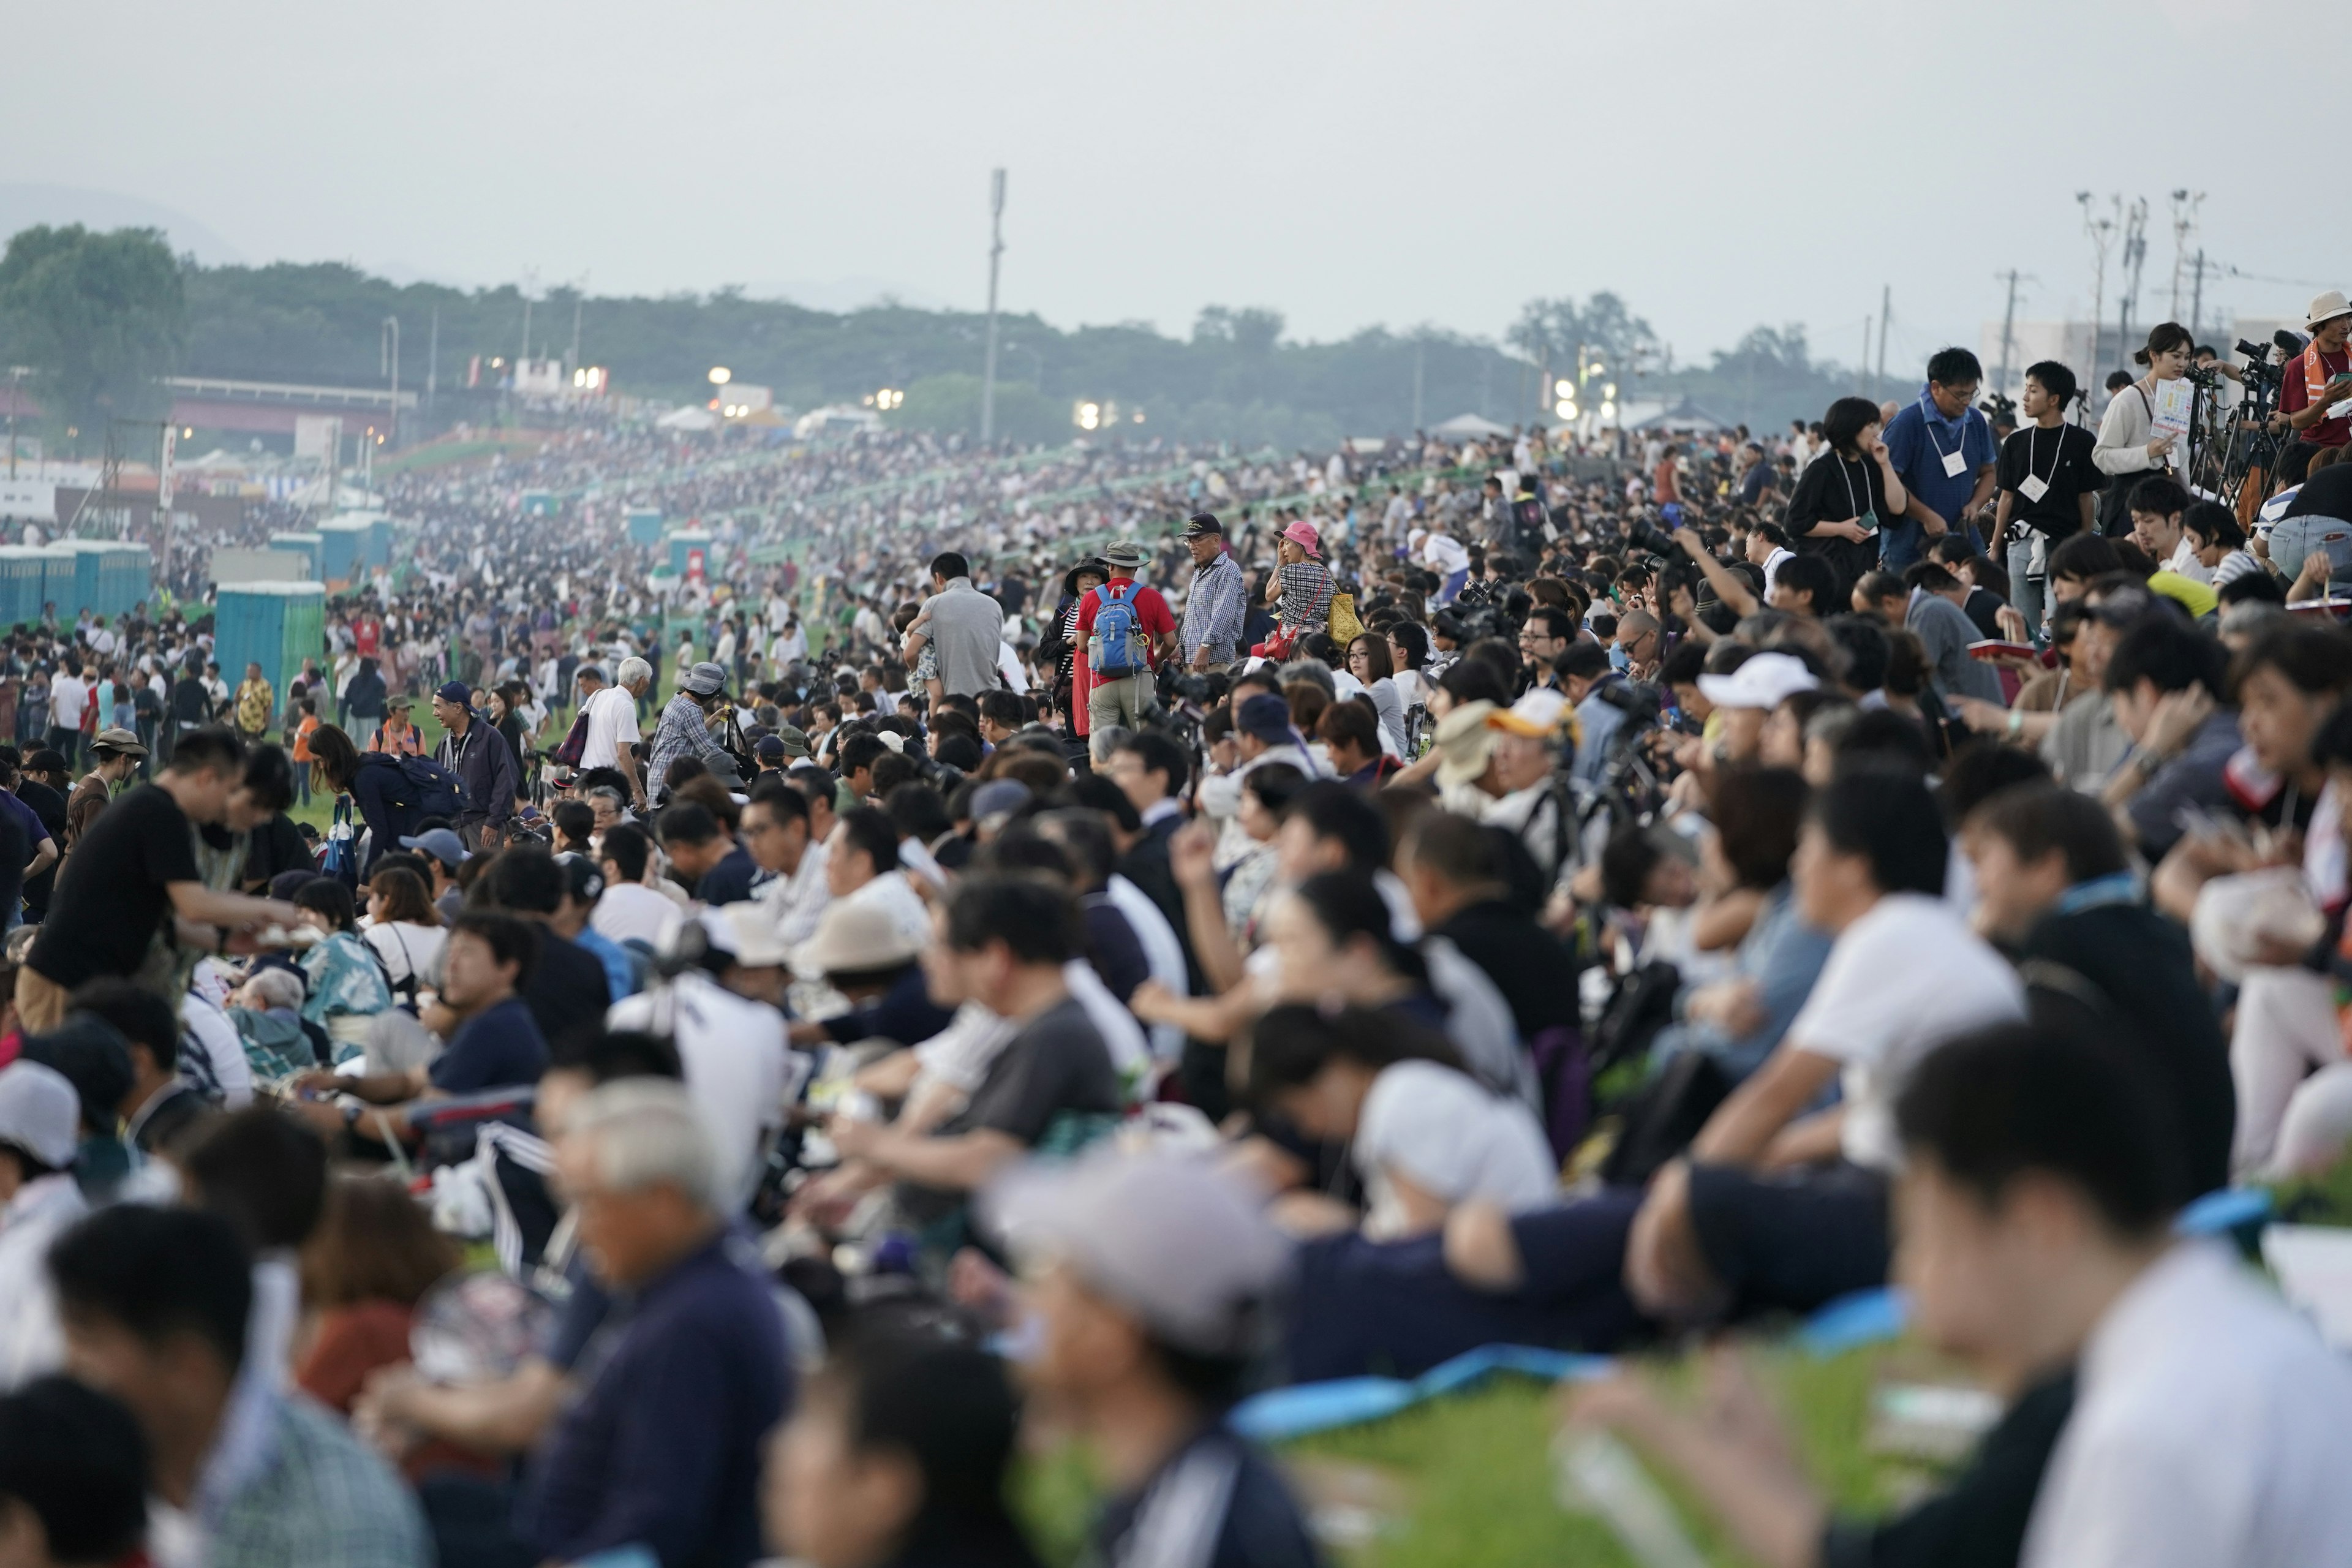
<point>1465,852</point>
<point>338,759</point>
<point>1847,418</point>
<point>1474,680</point>
<point>1632,853</point>
<point>1881,740</point>
<point>1348,905</point>
<point>263,1172</point>
<point>527,879</point>
<point>140,1015</point>
<point>1864,642</point>
<point>627,847</point>
<point>405,896</point>
<point>2215,524</point>
<point>2173,656</point>
<point>215,749</point>
<point>2039,819</point>
<point>159,1272</point>
<point>329,897</point>
<point>604,1055</point>
<point>949,1407</point>
<point>1332,811</point>
<point>1085,840</point>
<point>860,751</point>
<point>374,1243</point>
<point>1994,1105</point>
<point>1757,814</point>
<point>1034,917</point>
<point>2162,338</point>
<point>951,565</point>
<point>1980,769</point>
<point>1413,639</point>
<point>2316,659</point>
<point>1274,785</point>
<point>1878,584</point>
<point>1354,723</point>
<point>1815,577</point>
<point>688,822</point>
<point>510,940</point>
<point>1953,367</point>
<point>916,809</point>
<point>1093,791</point>
<point>869,828</point>
<point>2160,496</point>
<point>575,821</point>
<point>2056,379</point>
<point>269,777</point>
<point>1294,1042</point>
<point>78,1461</point>
<point>1887,817</point>
<point>1584,660</point>
<point>2086,557</point>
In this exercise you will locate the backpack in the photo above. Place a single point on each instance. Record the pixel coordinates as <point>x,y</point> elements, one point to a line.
<point>426,787</point>
<point>341,860</point>
<point>1119,649</point>
<point>1341,621</point>
<point>574,744</point>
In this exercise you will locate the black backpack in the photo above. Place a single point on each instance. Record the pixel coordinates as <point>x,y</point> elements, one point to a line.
<point>426,788</point>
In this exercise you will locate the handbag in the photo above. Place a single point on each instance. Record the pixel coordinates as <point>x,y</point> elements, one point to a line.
<point>341,860</point>
<point>1342,623</point>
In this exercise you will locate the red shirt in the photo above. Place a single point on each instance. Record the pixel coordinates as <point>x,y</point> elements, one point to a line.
<point>2295,397</point>
<point>1152,614</point>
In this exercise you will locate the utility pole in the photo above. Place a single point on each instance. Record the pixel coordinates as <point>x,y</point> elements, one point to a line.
<point>2008,334</point>
<point>574,364</point>
<point>995,252</point>
<point>1885,320</point>
<point>2102,231</point>
<point>2135,258</point>
<point>163,495</point>
<point>1861,366</point>
<point>1420,343</point>
<point>432,363</point>
<point>2196,294</point>
<point>390,345</point>
<point>2184,225</point>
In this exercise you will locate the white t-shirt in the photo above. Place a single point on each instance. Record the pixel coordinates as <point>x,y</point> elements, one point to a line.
<point>1448,1136</point>
<point>406,948</point>
<point>895,897</point>
<point>612,724</point>
<point>2208,1428</point>
<point>733,1049</point>
<point>1445,554</point>
<point>632,911</point>
<point>1900,981</point>
<point>67,698</point>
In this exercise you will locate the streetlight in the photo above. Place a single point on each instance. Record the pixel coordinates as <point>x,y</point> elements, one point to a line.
<point>720,375</point>
<point>1088,416</point>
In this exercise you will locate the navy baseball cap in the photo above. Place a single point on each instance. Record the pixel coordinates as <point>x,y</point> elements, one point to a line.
<point>456,692</point>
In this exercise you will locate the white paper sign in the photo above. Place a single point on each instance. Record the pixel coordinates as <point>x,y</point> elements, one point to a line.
<point>2170,407</point>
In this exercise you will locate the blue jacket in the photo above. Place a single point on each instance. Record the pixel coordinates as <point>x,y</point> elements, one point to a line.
<point>486,765</point>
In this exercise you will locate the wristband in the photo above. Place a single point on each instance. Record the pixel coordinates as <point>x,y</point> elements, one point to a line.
<point>2016,721</point>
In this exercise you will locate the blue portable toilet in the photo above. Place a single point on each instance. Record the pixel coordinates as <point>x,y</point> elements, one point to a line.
<point>21,567</point>
<point>342,550</point>
<point>274,625</point>
<point>126,576</point>
<point>379,549</point>
<point>58,587</point>
<point>645,525</point>
<point>309,546</point>
<point>685,543</point>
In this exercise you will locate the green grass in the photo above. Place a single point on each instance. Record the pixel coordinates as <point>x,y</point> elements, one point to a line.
<point>1467,1482</point>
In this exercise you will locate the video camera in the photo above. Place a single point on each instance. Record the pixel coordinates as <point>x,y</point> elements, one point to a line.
<point>2258,367</point>
<point>1645,535</point>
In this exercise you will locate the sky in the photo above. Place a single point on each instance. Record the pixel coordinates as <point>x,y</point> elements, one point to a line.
<point>1348,165</point>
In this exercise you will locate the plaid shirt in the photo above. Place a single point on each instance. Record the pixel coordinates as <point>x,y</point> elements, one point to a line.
<point>683,731</point>
<point>1212,610</point>
<point>316,1498</point>
<point>1306,598</point>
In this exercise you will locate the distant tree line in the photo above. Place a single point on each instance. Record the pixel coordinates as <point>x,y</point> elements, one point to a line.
<point>96,317</point>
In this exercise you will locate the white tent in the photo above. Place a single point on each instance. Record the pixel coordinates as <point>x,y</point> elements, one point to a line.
<point>1468,427</point>
<point>687,417</point>
<point>1684,416</point>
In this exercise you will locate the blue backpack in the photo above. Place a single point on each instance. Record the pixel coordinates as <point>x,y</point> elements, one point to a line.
<point>1118,648</point>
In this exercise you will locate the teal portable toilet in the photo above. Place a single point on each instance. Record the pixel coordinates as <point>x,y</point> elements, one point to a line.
<point>57,567</point>
<point>89,590</point>
<point>684,543</point>
<point>645,525</point>
<point>379,541</point>
<point>342,550</point>
<point>134,568</point>
<point>309,546</point>
<point>21,567</point>
<point>274,625</point>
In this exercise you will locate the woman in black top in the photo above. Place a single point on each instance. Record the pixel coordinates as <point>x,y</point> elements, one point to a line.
<point>1846,493</point>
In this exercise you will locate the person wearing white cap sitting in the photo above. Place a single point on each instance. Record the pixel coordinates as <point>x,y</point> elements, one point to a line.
<point>2317,394</point>
<point>1497,766</point>
<point>1154,1281</point>
<point>1747,696</point>
<point>41,1118</point>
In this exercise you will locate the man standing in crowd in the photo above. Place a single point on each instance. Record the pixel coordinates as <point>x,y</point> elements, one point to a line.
<point>1213,611</point>
<point>256,702</point>
<point>1943,451</point>
<point>114,755</point>
<point>684,729</point>
<point>1145,636</point>
<point>483,764</point>
<point>966,628</point>
<point>612,714</point>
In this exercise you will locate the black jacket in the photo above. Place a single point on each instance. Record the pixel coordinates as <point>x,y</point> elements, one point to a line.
<point>485,763</point>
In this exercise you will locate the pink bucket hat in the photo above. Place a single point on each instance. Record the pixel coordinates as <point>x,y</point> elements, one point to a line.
<point>1302,533</point>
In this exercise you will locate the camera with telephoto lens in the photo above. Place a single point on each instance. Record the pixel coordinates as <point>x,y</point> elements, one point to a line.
<point>1646,536</point>
<point>2258,367</point>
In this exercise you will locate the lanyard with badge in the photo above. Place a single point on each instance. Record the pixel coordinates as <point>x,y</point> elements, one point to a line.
<point>1866,518</point>
<point>1956,461</point>
<point>2034,488</point>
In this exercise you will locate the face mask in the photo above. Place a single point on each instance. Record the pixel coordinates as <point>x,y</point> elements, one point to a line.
<point>1618,658</point>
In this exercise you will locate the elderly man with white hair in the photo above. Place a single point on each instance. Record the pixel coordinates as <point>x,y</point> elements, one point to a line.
<point>611,714</point>
<point>662,1450</point>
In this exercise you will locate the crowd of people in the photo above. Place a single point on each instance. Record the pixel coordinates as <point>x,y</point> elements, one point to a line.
<point>1058,944</point>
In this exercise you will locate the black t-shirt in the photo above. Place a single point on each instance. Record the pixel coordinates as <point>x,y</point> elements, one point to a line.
<point>1217,1503</point>
<point>16,848</point>
<point>191,703</point>
<point>276,846</point>
<point>1532,968</point>
<point>729,881</point>
<point>567,990</point>
<point>111,897</point>
<point>1057,1063</point>
<point>1979,1522</point>
<point>2063,463</point>
<point>50,807</point>
<point>1832,489</point>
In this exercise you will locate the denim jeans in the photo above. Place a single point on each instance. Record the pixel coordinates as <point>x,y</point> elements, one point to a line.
<point>2025,590</point>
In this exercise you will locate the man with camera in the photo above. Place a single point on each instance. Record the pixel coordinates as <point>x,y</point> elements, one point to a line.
<point>2317,393</point>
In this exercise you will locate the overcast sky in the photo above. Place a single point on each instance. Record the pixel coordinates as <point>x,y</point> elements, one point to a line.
<point>1348,163</point>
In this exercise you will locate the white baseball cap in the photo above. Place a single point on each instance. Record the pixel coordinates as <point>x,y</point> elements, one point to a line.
<point>39,1112</point>
<point>1764,681</point>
